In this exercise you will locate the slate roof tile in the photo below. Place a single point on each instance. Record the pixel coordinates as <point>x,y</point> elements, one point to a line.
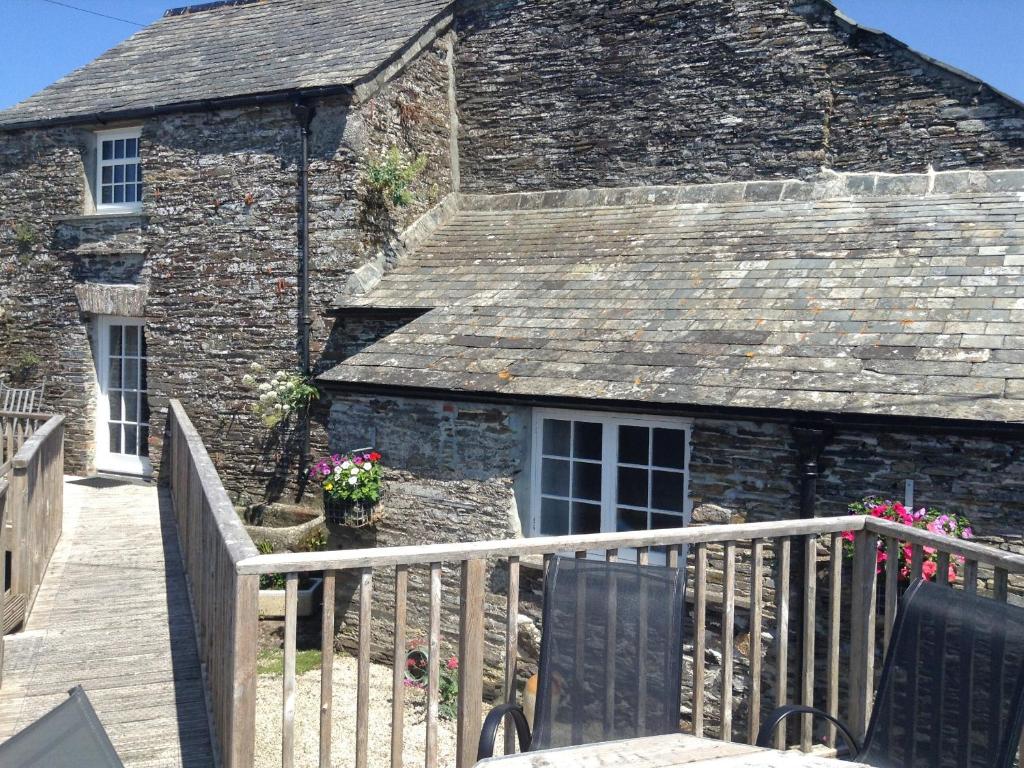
<point>898,305</point>
<point>234,50</point>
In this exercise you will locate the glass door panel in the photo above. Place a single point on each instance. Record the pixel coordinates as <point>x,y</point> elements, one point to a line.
<point>123,412</point>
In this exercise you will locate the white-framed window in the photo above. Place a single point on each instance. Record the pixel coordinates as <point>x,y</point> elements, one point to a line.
<point>118,185</point>
<point>599,472</point>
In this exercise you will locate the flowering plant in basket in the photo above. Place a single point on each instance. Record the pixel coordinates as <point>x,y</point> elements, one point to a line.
<point>351,477</point>
<point>931,520</point>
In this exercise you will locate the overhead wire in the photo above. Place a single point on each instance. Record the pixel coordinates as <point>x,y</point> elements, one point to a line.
<point>93,13</point>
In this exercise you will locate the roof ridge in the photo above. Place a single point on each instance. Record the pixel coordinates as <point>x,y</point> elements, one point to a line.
<point>828,185</point>
<point>187,10</point>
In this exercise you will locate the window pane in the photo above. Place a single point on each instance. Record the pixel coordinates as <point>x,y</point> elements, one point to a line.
<point>119,194</point>
<point>633,445</point>
<point>115,438</point>
<point>129,193</point>
<point>114,401</point>
<point>131,407</point>
<point>670,448</point>
<point>143,408</point>
<point>108,150</point>
<point>666,521</point>
<point>130,441</point>
<point>131,373</point>
<point>131,340</point>
<point>554,517</point>
<point>142,339</point>
<point>129,172</point>
<point>556,437</point>
<point>118,174</point>
<point>107,195</point>
<point>631,520</point>
<point>107,174</point>
<point>114,379</point>
<point>143,441</point>
<point>138,193</point>
<point>131,148</point>
<point>143,380</point>
<point>586,518</point>
<point>115,340</point>
<point>586,440</point>
<point>554,477</point>
<point>632,486</point>
<point>586,481</point>
<point>118,149</point>
<point>668,490</point>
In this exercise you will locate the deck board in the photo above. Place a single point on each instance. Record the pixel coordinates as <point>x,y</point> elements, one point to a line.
<point>112,614</point>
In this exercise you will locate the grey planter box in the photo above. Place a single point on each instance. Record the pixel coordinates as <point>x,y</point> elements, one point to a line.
<point>271,601</point>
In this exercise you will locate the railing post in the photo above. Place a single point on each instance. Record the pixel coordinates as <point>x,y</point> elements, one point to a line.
<point>471,660</point>
<point>862,630</point>
<point>241,739</point>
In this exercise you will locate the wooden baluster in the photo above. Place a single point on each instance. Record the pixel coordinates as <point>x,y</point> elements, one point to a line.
<point>782,634</point>
<point>326,668</point>
<point>835,599</point>
<point>942,569</point>
<point>699,642</point>
<point>291,592</point>
<point>433,668</point>
<point>1000,584</point>
<point>892,575</point>
<point>810,619</point>
<point>363,667</point>
<point>610,656</point>
<point>398,670</point>
<point>471,661</point>
<point>728,629</point>
<point>862,631</point>
<point>756,607</point>
<point>971,577</point>
<point>916,560</point>
<point>511,648</point>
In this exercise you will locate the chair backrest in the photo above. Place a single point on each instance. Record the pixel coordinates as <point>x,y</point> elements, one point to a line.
<point>27,400</point>
<point>611,652</point>
<point>69,736</point>
<point>951,693</point>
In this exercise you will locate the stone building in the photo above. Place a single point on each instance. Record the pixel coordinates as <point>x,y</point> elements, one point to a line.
<point>664,256</point>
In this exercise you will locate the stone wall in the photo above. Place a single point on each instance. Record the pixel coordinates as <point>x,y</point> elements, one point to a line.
<point>560,94</point>
<point>216,248</point>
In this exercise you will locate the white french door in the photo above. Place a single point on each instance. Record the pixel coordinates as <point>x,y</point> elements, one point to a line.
<point>122,412</point>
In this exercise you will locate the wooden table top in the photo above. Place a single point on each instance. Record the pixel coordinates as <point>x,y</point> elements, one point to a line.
<point>665,752</point>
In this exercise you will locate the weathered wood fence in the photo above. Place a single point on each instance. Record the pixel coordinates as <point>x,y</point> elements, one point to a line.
<point>31,509</point>
<point>213,542</point>
<point>815,632</point>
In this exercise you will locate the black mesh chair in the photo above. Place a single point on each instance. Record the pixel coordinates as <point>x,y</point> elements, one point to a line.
<point>610,657</point>
<point>69,736</point>
<point>951,693</point>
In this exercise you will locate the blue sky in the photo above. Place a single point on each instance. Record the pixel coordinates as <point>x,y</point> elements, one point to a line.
<point>41,40</point>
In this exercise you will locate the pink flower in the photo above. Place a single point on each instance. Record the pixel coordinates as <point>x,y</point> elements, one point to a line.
<point>968,533</point>
<point>928,569</point>
<point>848,535</point>
<point>452,664</point>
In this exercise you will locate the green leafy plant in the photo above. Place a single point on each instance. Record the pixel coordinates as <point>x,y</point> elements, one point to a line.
<point>417,676</point>
<point>350,476</point>
<point>390,176</point>
<point>25,237</point>
<point>285,393</point>
<point>316,541</point>
<point>269,580</point>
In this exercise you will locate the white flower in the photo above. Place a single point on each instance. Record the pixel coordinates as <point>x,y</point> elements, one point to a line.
<point>354,471</point>
<point>346,464</point>
<point>264,387</point>
<point>266,397</point>
<point>248,380</point>
<point>353,480</point>
<point>367,467</point>
<point>337,470</point>
<point>277,406</point>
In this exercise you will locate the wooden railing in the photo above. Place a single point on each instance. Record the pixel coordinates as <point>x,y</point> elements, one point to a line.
<point>825,647</point>
<point>31,509</point>
<point>814,605</point>
<point>213,542</point>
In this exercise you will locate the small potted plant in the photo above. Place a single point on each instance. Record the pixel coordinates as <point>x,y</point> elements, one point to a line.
<point>351,484</point>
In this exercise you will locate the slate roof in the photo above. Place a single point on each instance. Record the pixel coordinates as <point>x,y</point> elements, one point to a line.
<point>233,50</point>
<point>896,295</point>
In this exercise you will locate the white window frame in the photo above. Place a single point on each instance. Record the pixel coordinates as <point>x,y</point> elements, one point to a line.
<point>105,460</point>
<point>97,192</point>
<point>609,458</point>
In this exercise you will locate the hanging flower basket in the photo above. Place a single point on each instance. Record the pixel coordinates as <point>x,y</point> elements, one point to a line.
<point>351,483</point>
<point>354,514</point>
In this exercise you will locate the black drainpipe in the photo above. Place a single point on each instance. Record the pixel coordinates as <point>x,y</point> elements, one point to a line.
<point>810,441</point>
<point>304,114</point>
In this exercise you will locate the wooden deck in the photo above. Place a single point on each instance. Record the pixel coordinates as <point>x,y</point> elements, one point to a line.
<point>112,614</point>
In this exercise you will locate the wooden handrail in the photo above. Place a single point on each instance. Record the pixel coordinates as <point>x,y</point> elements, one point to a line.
<point>31,446</point>
<point>970,550</point>
<point>542,545</point>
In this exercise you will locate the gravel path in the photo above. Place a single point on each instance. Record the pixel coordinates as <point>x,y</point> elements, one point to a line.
<point>307,720</point>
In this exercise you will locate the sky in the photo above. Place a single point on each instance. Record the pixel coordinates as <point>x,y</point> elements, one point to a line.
<point>42,40</point>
